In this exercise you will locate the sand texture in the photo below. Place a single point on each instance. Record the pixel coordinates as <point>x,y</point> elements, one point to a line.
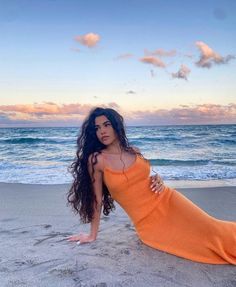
<point>34,224</point>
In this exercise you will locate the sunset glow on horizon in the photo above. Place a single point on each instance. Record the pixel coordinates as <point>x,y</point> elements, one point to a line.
<point>155,62</point>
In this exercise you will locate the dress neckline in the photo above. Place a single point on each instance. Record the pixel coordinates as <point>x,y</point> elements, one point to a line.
<point>124,170</point>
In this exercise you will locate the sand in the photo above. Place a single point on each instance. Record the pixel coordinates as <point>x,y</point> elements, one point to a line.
<point>35,222</point>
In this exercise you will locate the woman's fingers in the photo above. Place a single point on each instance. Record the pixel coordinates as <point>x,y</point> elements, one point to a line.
<point>157,184</point>
<point>160,189</point>
<point>74,238</point>
<point>154,179</point>
<point>81,238</point>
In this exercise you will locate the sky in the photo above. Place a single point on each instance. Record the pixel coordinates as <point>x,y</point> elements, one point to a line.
<point>156,62</point>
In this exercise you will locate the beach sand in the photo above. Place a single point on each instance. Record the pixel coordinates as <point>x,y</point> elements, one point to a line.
<point>35,222</point>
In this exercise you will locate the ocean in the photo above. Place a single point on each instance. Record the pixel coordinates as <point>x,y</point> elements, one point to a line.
<point>189,153</point>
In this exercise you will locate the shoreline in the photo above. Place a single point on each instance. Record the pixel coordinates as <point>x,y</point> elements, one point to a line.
<point>171,183</point>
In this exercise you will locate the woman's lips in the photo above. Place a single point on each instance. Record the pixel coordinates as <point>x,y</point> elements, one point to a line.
<point>105,138</point>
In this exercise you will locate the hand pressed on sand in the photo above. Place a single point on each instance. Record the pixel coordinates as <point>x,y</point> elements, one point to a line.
<point>81,238</point>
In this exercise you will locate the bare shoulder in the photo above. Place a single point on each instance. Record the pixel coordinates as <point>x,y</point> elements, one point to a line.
<point>136,149</point>
<point>95,159</point>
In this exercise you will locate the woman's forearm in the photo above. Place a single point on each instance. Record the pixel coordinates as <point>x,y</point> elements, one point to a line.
<point>85,238</point>
<point>95,222</point>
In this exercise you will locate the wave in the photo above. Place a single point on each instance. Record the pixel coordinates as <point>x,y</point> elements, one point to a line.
<point>164,162</point>
<point>226,141</point>
<point>28,131</point>
<point>201,134</point>
<point>29,140</point>
<point>154,139</point>
<point>231,163</point>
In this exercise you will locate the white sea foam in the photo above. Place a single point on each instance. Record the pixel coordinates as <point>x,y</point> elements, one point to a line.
<point>178,153</point>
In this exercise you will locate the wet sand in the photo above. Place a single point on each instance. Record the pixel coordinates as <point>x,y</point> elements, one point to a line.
<point>34,224</point>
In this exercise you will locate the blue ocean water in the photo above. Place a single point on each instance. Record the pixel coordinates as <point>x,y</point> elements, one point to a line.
<point>198,152</point>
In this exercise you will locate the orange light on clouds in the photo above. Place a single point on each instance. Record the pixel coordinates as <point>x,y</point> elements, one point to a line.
<point>90,40</point>
<point>48,113</point>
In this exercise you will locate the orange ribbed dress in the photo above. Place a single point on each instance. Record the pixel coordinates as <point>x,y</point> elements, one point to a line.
<point>169,221</point>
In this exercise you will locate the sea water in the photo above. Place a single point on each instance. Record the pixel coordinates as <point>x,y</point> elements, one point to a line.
<point>189,153</point>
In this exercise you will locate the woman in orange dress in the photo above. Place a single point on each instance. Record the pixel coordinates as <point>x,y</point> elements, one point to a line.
<point>107,168</point>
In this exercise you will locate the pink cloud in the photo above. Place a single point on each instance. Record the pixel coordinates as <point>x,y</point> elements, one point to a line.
<point>45,109</point>
<point>183,73</point>
<point>153,61</point>
<point>51,114</point>
<point>208,56</point>
<point>90,40</point>
<point>161,53</point>
<point>49,110</point>
<point>198,114</point>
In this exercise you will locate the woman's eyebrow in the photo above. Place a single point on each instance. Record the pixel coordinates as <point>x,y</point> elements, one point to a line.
<point>106,122</point>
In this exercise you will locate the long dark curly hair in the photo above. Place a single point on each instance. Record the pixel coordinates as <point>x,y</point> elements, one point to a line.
<point>81,195</point>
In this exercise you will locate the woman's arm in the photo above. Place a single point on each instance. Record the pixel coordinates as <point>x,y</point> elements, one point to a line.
<point>96,178</point>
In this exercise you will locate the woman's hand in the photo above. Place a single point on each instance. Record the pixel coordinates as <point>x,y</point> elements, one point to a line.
<point>157,184</point>
<point>82,238</point>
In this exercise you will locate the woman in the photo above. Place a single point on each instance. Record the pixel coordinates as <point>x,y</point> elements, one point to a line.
<point>107,168</point>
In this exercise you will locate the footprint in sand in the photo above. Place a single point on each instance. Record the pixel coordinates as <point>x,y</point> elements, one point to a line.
<point>47,225</point>
<point>125,251</point>
<point>63,272</point>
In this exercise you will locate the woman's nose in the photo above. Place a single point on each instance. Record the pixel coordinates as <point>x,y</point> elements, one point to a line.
<point>102,132</point>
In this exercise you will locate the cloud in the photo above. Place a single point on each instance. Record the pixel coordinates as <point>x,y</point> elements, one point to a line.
<point>46,113</point>
<point>183,72</point>
<point>161,53</point>
<point>198,114</point>
<point>131,92</point>
<point>153,61</point>
<point>90,40</point>
<point>37,109</point>
<point>208,56</point>
<point>112,105</point>
<point>124,56</point>
<point>49,108</point>
<point>51,114</point>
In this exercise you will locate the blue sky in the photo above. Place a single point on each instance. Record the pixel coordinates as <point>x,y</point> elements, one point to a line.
<point>157,62</point>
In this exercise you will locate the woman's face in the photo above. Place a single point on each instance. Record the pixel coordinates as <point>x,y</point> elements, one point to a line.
<point>104,130</point>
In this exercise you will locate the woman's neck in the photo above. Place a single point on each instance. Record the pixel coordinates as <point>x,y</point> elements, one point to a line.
<point>114,148</point>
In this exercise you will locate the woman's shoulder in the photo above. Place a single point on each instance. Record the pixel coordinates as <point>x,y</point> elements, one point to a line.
<point>136,149</point>
<point>96,159</point>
